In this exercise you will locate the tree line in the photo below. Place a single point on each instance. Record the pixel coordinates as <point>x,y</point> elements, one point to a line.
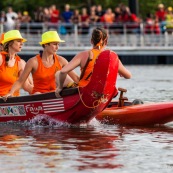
<point>144,6</point>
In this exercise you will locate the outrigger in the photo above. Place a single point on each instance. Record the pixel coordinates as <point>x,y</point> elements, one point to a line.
<point>136,113</point>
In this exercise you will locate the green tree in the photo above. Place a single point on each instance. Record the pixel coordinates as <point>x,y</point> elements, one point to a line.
<point>145,6</point>
<point>148,6</point>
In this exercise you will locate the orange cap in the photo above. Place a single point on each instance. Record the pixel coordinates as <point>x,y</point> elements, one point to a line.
<point>1,38</point>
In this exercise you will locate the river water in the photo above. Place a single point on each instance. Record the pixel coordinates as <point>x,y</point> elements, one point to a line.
<point>95,148</point>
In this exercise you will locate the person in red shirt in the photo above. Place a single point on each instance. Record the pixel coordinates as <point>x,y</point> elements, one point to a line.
<point>131,20</point>
<point>85,21</point>
<point>161,13</point>
<point>149,22</point>
<point>54,16</point>
<point>156,27</point>
<point>161,16</point>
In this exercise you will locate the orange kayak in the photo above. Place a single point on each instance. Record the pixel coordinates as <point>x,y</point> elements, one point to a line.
<point>137,115</point>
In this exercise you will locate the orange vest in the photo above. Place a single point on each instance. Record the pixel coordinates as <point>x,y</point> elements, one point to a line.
<point>88,71</point>
<point>8,75</point>
<point>44,77</point>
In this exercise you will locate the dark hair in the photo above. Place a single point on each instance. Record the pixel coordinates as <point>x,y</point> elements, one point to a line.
<point>6,45</point>
<point>99,34</point>
<point>7,58</point>
<point>43,45</point>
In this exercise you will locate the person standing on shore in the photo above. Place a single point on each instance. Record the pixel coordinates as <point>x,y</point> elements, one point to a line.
<point>44,66</point>
<point>86,60</point>
<point>11,65</point>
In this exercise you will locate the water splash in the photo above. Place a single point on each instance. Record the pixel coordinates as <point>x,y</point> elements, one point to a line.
<point>45,120</point>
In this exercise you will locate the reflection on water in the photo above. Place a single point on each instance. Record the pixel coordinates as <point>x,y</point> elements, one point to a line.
<point>33,147</point>
<point>91,148</point>
<point>82,148</point>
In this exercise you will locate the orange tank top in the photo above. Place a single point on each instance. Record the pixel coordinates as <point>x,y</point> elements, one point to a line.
<point>88,70</point>
<point>44,77</point>
<point>8,75</point>
<point>108,18</point>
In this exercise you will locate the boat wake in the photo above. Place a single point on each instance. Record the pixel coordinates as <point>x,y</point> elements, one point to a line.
<point>45,120</point>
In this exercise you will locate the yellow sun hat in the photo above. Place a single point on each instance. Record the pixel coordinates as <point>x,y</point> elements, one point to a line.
<point>50,36</point>
<point>12,35</point>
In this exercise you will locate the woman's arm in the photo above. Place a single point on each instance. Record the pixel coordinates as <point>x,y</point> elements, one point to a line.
<point>0,59</point>
<point>71,73</point>
<point>74,76</point>
<point>123,71</point>
<point>28,84</point>
<point>67,69</point>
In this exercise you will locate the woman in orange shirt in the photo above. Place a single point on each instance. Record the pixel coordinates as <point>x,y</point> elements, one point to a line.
<point>109,16</point>
<point>44,66</point>
<point>86,60</point>
<point>11,65</point>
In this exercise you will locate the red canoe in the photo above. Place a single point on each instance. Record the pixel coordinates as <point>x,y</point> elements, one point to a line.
<point>137,115</point>
<point>78,105</point>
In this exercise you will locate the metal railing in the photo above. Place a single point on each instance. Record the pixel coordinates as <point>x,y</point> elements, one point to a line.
<point>120,34</point>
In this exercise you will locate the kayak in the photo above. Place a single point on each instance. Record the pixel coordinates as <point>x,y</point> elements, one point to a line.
<point>137,113</point>
<point>76,105</point>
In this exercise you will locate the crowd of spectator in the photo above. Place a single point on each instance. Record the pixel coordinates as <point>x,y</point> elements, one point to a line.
<point>84,19</point>
<point>161,21</point>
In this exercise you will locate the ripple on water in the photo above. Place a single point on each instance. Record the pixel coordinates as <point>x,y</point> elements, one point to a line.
<point>57,147</point>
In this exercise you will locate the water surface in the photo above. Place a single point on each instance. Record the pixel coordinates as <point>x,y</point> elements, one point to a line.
<point>93,148</point>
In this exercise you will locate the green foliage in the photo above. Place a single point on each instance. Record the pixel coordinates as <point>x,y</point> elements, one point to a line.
<point>32,4</point>
<point>148,6</point>
<point>145,6</point>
